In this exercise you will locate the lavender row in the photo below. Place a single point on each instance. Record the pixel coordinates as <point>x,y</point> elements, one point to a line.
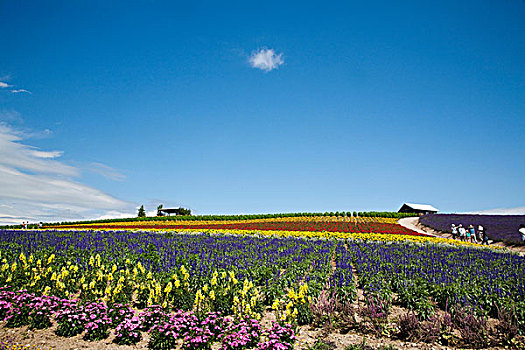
<point>424,277</point>
<point>498,227</point>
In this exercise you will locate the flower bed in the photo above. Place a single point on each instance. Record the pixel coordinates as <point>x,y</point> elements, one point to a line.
<point>302,224</point>
<point>95,322</point>
<point>94,282</point>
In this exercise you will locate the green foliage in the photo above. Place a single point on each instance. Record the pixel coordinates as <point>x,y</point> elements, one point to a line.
<point>67,328</point>
<point>415,295</point>
<point>19,317</point>
<point>184,212</point>
<point>321,345</point>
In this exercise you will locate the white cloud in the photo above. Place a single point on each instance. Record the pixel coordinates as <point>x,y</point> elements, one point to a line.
<point>35,186</point>
<point>16,155</point>
<point>114,214</point>
<point>151,212</point>
<point>17,91</point>
<point>266,59</point>
<point>41,154</point>
<point>4,85</point>
<point>501,211</point>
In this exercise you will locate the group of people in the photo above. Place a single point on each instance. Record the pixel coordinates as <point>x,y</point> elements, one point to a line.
<point>470,234</point>
<point>25,225</point>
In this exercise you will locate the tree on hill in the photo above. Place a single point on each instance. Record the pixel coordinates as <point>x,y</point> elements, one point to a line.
<point>184,211</point>
<point>141,213</point>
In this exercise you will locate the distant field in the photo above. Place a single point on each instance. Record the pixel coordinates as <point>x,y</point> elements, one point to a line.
<point>306,224</point>
<point>499,227</point>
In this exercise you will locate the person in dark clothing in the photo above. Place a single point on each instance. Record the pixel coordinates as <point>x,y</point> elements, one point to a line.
<point>485,236</point>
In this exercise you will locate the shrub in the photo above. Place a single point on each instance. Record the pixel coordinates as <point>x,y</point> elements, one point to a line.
<point>118,313</point>
<point>18,314</point>
<point>151,316</point>
<point>163,337</point>
<point>324,307</point>
<point>409,327</point>
<point>241,335</point>
<point>375,313</point>
<point>473,329</point>
<point>280,337</point>
<point>96,321</point>
<point>128,331</point>
<point>70,321</point>
<point>507,326</point>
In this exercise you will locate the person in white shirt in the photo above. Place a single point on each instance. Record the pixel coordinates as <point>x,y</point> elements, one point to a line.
<point>462,233</point>
<point>522,231</point>
<point>454,231</point>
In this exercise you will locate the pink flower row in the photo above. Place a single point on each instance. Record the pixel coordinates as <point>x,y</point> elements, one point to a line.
<point>95,320</point>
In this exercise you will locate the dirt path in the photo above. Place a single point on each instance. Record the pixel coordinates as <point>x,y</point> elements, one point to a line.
<point>413,223</point>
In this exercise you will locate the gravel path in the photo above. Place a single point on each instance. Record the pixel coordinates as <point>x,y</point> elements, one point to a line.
<point>413,224</point>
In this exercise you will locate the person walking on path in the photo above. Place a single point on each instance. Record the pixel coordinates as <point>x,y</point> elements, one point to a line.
<point>522,231</point>
<point>484,233</point>
<point>480,232</point>
<point>462,233</point>
<point>454,231</point>
<point>472,233</point>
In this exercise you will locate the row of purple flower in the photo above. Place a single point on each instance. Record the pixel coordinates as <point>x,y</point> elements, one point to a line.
<point>498,227</point>
<point>96,320</point>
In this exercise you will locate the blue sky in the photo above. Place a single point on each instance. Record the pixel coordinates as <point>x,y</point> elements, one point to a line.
<point>260,107</point>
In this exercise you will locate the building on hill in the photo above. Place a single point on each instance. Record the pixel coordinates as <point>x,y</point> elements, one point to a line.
<point>420,209</point>
<point>176,211</point>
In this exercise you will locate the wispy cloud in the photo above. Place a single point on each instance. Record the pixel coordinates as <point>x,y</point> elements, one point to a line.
<point>4,85</point>
<point>16,155</point>
<point>47,155</point>
<point>18,91</point>
<point>106,171</point>
<point>10,116</point>
<point>36,186</point>
<point>266,59</point>
<point>501,211</point>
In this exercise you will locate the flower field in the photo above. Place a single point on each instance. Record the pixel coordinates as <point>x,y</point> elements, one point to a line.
<point>196,286</point>
<point>310,224</point>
